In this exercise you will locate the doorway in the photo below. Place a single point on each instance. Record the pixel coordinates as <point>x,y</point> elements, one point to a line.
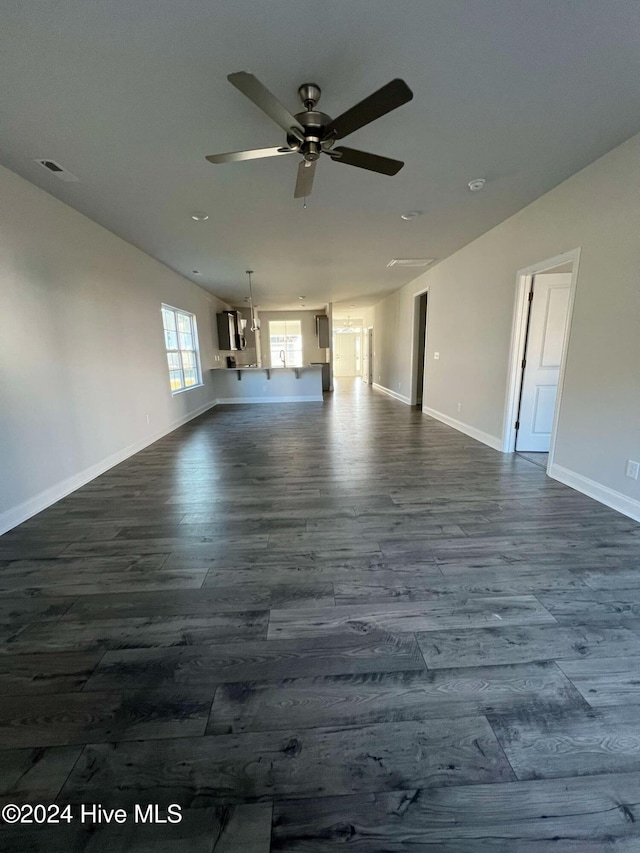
<point>369,355</point>
<point>344,355</point>
<point>542,322</point>
<point>548,301</point>
<point>347,347</point>
<point>422,341</point>
<point>420,308</point>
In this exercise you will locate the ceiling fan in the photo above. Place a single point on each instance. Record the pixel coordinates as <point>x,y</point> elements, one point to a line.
<point>312,133</point>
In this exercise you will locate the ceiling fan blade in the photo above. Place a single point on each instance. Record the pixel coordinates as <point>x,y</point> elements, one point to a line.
<point>251,154</point>
<point>393,95</point>
<point>364,160</point>
<point>304,182</point>
<point>253,89</point>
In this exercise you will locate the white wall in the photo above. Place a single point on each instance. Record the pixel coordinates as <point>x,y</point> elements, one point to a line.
<point>82,360</point>
<point>368,316</point>
<point>471,302</point>
<point>392,342</point>
<point>310,350</point>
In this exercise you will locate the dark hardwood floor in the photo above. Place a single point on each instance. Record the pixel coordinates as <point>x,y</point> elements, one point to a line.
<point>319,626</point>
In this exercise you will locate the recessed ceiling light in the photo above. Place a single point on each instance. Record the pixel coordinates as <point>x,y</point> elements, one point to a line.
<point>410,214</point>
<point>302,297</point>
<point>200,216</point>
<point>476,184</point>
<point>196,272</point>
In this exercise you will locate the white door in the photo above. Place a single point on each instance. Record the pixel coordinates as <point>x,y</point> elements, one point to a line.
<point>344,354</point>
<point>547,325</point>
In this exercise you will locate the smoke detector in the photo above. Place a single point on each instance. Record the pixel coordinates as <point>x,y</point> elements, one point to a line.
<point>476,184</point>
<point>56,169</point>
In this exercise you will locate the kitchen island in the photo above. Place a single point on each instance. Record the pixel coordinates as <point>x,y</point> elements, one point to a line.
<point>268,384</point>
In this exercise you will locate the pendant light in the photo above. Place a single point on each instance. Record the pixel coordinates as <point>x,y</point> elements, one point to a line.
<point>255,322</point>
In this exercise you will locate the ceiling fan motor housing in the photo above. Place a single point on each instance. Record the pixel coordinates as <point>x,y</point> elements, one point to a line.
<point>314,124</point>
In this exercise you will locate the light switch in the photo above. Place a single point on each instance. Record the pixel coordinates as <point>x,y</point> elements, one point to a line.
<point>436,355</point>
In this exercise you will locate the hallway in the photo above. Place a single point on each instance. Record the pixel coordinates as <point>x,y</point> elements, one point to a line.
<point>324,624</point>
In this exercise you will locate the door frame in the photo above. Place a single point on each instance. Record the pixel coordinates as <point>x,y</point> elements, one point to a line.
<point>366,361</point>
<point>415,346</point>
<point>368,333</point>
<point>524,278</point>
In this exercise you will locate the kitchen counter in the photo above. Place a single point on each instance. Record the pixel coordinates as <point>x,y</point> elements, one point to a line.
<point>268,370</point>
<point>269,384</point>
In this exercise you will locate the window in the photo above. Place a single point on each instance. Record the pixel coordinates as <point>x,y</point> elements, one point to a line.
<point>285,339</point>
<point>181,341</point>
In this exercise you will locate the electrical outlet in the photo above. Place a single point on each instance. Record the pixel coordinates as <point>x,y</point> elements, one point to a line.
<point>459,406</point>
<point>633,469</point>
<point>436,355</point>
<point>148,419</point>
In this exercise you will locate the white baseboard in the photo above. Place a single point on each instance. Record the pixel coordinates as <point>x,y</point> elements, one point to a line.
<point>391,393</point>
<point>313,398</point>
<point>603,494</point>
<point>478,434</point>
<point>17,514</point>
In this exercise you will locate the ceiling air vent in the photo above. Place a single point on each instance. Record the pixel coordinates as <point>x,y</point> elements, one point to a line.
<point>410,262</point>
<point>57,170</point>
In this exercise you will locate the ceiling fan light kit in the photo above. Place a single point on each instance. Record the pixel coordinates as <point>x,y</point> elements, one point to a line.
<point>312,133</point>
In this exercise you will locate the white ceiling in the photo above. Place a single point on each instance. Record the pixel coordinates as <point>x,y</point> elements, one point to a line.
<point>131,96</point>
